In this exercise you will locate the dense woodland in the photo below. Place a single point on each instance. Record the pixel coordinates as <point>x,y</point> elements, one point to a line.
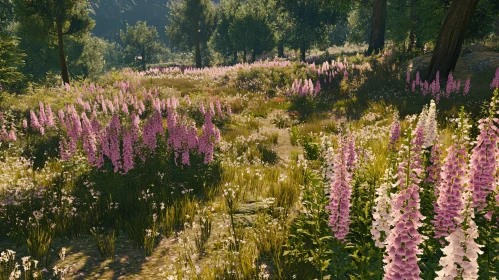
<point>93,34</point>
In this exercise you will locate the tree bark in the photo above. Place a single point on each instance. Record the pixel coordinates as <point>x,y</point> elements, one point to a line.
<point>198,51</point>
<point>253,56</point>
<point>302,53</point>
<point>280,48</point>
<point>143,61</point>
<point>235,57</point>
<point>451,37</point>
<point>62,58</point>
<point>377,40</point>
<point>244,56</point>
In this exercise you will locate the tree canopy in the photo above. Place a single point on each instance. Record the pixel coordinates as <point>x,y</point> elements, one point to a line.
<point>56,18</point>
<point>192,24</point>
<point>141,43</point>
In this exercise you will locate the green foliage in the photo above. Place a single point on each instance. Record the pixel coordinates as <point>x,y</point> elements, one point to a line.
<point>11,61</point>
<point>6,13</point>
<point>112,16</point>
<point>311,248</point>
<point>191,26</point>
<point>483,20</point>
<point>47,22</point>
<point>431,14</point>
<point>141,41</point>
<point>311,148</point>
<point>91,60</point>
<point>105,242</point>
<point>398,21</point>
<point>310,20</point>
<point>221,40</point>
<point>359,22</point>
<point>250,32</point>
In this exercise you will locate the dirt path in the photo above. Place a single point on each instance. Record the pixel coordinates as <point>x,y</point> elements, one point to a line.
<point>284,148</point>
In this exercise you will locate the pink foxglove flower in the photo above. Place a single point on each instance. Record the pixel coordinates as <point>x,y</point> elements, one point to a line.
<point>219,108</point>
<point>127,151</point>
<point>435,166</point>
<point>201,109</point>
<point>25,124</point>
<point>431,130</point>
<point>352,154</point>
<point>340,194</point>
<point>495,81</point>
<point>484,156</point>
<point>50,116</point>
<point>403,241</point>
<point>34,121</point>
<point>382,212</point>
<point>113,131</point>
<point>461,253</point>
<point>467,86</point>
<point>43,118</point>
<point>12,135</point>
<point>394,132</point>
<point>89,140</point>
<point>62,149</point>
<point>453,182</point>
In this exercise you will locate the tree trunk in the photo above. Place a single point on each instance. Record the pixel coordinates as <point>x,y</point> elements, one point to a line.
<point>302,53</point>
<point>280,48</point>
<point>451,37</point>
<point>244,56</point>
<point>377,40</point>
<point>62,57</point>
<point>253,56</point>
<point>235,57</point>
<point>198,52</point>
<point>143,61</point>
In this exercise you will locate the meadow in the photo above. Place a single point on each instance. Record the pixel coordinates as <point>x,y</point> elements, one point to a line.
<point>340,168</point>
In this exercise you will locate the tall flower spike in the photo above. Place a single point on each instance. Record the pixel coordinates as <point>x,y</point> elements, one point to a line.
<point>403,241</point>
<point>483,168</point>
<point>453,182</point>
<point>382,212</point>
<point>431,131</point>
<point>34,121</point>
<point>435,165</point>
<point>340,194</point>
<point>394,131</point>
<point>352,154</point>
<point>127,151</point>
<point>461,253</point>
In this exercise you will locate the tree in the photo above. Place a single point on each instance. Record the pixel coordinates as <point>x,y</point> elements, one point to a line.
<point>451,37</point>
<point>310,19</point>
<point>6,13</point>
<point>112,15</point>
<point>11,60</point>
<point>359,24</point>
<point>141,40</point>
<point>191,25</point>
<point>277,17</point>
<point>250,32</point>
<point>221,39</point>
<point>378,26</point>
<point>59,18</point>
